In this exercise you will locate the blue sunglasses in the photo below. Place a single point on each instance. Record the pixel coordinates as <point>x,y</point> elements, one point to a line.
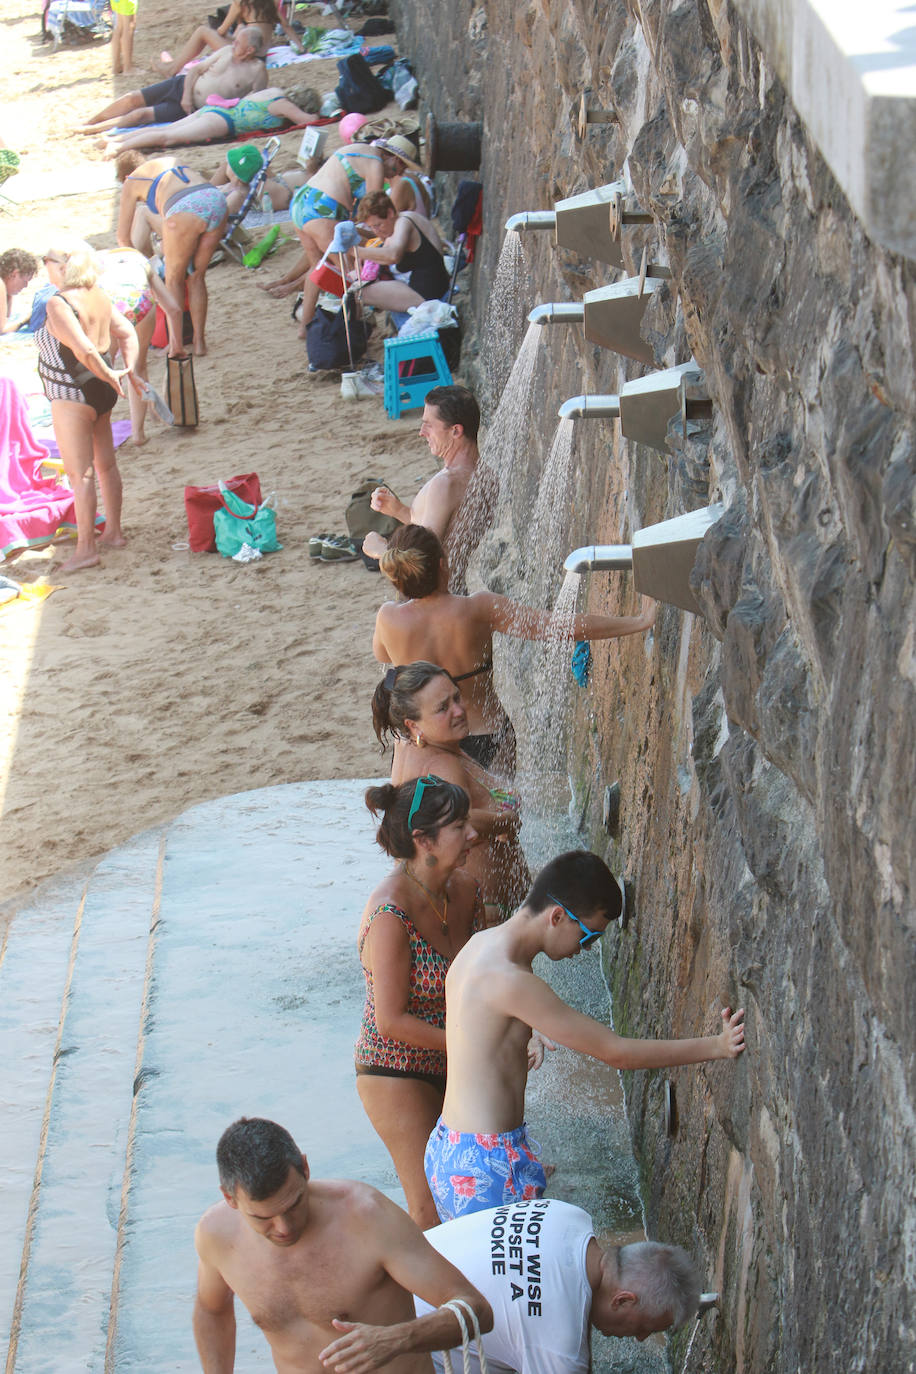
<point>588,937</point>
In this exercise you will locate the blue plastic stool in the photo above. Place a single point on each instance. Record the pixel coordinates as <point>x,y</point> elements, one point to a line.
<point>407,393</point>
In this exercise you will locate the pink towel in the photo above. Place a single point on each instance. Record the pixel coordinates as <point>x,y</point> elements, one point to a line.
<point>32,507</point>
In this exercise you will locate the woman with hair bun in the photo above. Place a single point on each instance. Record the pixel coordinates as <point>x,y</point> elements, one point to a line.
<point>418,708</point>
<point>74,364</point>
<point>414,924</point>
<point>457,633</point>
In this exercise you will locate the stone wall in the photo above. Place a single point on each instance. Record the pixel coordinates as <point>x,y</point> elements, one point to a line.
<point>764,750</point>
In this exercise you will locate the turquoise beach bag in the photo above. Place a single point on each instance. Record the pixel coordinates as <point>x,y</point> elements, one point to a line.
<point>237,523</point>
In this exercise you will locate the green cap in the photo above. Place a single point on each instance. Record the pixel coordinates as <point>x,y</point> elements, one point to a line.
<point>244,161</point>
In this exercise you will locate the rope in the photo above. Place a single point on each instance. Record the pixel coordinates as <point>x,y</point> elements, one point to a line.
<point>461,1308</point>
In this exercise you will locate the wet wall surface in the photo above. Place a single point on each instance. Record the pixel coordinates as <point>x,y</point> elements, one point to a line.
<point>764,749</point>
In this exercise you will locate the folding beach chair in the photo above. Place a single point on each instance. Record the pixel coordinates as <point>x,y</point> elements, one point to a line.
<point>467,223</point>
<point>255,187</point>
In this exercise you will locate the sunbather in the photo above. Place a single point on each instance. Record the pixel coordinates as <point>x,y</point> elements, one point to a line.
<point>263,110</point>
<point>242,165</point>
<point>205,39</point>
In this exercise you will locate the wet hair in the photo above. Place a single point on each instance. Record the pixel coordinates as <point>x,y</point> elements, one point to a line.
<point>306,98</point>
<point>127,162</point>
<point>394,700</point>
<point>440,804</point>
<point>412,559</point>
<point>581,881</point>
<point>257,1155</point>
<point>456,406</point>
<point>664,1278</point>
<point>82,269</point>
<point>17,260</point>
<point>375,203</point>
<point>253,36</point>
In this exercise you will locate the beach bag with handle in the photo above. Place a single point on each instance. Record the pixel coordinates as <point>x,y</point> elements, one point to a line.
<point>237,523</point>
<point>202,503</point>
<point>181,393</point>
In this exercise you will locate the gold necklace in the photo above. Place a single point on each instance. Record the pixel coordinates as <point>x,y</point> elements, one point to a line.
<point>442,917</point>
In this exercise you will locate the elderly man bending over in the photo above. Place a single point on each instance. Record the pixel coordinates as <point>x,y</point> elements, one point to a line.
<point>229,73</point>
<point>548,1282</point>
<point>325,1267</point>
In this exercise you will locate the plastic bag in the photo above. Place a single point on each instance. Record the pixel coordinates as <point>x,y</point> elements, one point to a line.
<point>429,315</point>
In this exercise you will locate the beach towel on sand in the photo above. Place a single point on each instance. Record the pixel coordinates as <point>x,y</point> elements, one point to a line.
<point>32,507</point>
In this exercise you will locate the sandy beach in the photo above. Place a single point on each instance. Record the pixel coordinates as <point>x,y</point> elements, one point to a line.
<point>163,678</point>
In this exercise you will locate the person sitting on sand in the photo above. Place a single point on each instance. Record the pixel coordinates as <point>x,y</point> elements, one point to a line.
<point>328,196</point>
<point>409,188</point>
<point>457,633</point>
<point>17,268</point>
<point>263,14</point>
<point>418,708</point>
<point>241,165</point>
<point>479,1154</point>
<point>190,215</point>
<point>326,1267</point>
<point>229,73</point>
<point>74,364</point>
<point>413,925</point>
<point>261,111</point>
<point>410,243</point>
<point>621,1290</point>
<point>451,420</point>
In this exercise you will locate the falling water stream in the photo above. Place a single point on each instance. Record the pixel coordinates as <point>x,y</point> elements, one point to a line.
<point>575,1105</point>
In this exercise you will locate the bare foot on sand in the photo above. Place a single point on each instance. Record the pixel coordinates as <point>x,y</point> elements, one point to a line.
<point>79,561</point>
<point>113,541</point>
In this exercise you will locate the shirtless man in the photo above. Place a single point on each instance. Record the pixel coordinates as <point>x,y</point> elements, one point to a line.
<point>230,72</point>
<point>478,1154</point>
<point>451,419</point>
<point>307,1258</point>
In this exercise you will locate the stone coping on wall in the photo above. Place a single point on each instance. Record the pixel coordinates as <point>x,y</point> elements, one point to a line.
<point>851,72</point>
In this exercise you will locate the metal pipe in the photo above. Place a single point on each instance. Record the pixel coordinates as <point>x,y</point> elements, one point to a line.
<point>531,219</point>
<point>590,408</point>
<point>600,558</point>
<point>558,312</point>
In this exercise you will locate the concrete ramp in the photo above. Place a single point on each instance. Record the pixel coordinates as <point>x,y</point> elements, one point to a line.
<point>206,970</point>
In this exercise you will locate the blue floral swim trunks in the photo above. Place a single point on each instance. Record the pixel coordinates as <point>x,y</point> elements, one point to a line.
<point>469,1172</point>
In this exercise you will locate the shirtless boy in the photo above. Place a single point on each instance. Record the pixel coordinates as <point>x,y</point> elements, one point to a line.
<point>229,73</point>
<point>451,419</point>
<point>478,1154</point>
<point>325,1267</point>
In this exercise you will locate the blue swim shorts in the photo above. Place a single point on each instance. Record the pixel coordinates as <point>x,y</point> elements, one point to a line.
<point>309,203</point>
<point>469,1172</point>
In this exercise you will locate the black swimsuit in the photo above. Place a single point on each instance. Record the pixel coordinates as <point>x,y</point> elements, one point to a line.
<point>64,377</point>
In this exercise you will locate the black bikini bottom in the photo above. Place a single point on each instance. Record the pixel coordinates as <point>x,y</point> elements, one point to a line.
<point>435,1080</point>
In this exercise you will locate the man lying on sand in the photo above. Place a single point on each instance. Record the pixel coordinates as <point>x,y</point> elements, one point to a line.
<point>229,73</point>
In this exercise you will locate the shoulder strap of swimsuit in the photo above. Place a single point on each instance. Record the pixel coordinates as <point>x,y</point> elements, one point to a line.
<point>395,911</point>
